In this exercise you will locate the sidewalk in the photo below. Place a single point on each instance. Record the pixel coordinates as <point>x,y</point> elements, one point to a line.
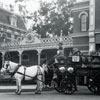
<point>25,88</point>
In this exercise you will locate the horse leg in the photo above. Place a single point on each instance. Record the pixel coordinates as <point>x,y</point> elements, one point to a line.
<point>19,86</point>
<point>43,79</point>
<point>39,85</point>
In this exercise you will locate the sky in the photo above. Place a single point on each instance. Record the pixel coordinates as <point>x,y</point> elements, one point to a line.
<point>31,5</point>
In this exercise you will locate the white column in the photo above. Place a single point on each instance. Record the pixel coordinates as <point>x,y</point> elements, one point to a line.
<point>92,26</point>
<point>20,56</point>
<point>39,56</point>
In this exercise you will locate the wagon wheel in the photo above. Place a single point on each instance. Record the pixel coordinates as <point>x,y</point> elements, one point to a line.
<point>67,86</point>
<point>93,88</point>
<point>56,86</point>
<point>94,85</point>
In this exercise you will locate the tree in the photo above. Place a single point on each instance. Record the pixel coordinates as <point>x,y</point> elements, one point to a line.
<point>53,18</point>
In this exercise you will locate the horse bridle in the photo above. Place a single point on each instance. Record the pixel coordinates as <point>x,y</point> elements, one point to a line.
<point>7,66</point>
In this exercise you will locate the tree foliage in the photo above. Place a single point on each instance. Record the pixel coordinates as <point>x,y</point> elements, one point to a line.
<point>53,18</point>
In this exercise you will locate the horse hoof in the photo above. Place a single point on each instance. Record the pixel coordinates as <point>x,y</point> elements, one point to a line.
<point>37,92</point>
<point>19,93</point>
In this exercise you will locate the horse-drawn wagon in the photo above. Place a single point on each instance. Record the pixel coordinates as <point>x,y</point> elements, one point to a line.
<point>68,70</point>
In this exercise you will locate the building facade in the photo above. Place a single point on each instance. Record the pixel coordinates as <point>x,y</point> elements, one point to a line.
<point>86,24</point>
<point>12,29</point>
<point>28,49</point>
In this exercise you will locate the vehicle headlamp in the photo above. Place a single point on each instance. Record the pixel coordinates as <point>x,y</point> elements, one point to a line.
<point>70,69</point>
<point>62,69</point>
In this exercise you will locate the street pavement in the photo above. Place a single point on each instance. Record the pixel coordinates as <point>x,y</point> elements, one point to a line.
<point>30,88</point>
<point>7,88</point>
<point>82,94</point>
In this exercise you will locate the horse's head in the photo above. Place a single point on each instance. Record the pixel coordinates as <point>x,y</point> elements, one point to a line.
<point>8,66</point>
<point>45,67</point>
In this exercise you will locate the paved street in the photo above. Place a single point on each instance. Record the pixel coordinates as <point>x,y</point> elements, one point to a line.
<point>82,94</point>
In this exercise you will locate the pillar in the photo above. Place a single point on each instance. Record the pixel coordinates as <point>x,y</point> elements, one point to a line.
<point>92,26</point>
<point>39,56</point>
<point>20,57</point>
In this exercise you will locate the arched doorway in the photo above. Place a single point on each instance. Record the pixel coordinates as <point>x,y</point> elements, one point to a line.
<point>48,54</point>
<point>30,57</point>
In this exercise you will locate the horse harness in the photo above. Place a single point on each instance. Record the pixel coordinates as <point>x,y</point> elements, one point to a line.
<point>38,73</point>
<point>12,74</point>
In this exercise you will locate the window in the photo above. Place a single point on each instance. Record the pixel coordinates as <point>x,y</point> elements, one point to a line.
<point>83,22</point>
<point>4,37</point>
<point>13,20</point>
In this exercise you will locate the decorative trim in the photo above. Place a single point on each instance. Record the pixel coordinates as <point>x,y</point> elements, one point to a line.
<point>80,1</point>
<point>80,35</point>
<point>80,9</point>
<point>30,38</point>
<point>83,12</point>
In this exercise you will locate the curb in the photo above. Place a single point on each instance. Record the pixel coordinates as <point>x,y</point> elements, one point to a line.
<point>25,88</point>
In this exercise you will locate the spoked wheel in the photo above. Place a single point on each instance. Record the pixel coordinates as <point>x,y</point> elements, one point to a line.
<point>94,85</point>
<point>56,86</point>
<point>67,87</point>
<point>93,88</point>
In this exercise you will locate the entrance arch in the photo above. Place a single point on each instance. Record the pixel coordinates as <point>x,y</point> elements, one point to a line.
<point>30,57</point>
<point>13,56</point>
<point>48,54</point>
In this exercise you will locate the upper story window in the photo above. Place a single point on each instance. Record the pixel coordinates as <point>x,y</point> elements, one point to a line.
<point>13,20</point>
<point>83,21</point>
<point>4,37</point>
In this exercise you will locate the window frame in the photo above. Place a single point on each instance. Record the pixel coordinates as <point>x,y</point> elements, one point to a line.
<point>86,23</point>
<point>13,20</point>
<point>83,23</point>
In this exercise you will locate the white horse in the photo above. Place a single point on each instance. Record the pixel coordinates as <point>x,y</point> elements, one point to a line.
<point>21,72</point>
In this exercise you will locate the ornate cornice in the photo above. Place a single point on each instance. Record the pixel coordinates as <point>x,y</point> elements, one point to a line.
<point>46,43</point>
